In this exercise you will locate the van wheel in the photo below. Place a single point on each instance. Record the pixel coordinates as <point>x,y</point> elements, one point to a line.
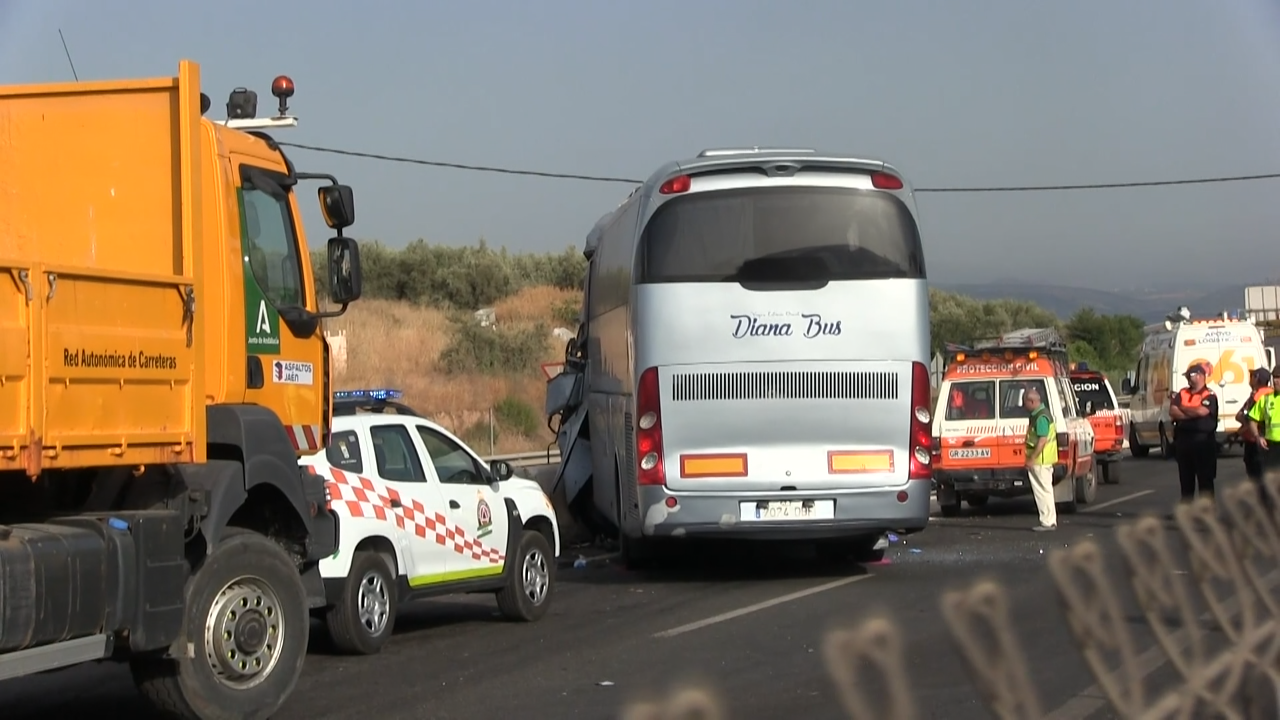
<point>362,620</point>
<point>1086,487</point>
<point>526,596</point>
<point>1166,447</point>
<point>1111,473</point>
<point>1136,448</point>
<point>247,622</point>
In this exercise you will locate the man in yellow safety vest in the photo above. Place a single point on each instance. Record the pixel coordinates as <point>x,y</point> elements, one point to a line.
<point>1041,454</point>
<point>1264,424</point>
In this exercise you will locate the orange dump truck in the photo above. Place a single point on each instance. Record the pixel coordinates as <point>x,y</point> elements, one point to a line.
<point>162,367</point>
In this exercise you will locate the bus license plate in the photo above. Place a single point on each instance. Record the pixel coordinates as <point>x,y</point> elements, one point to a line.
<point>967,453</point>
<point>788,510</point>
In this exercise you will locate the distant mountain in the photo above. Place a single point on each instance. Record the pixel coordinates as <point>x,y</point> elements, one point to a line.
<point>1150,305</point>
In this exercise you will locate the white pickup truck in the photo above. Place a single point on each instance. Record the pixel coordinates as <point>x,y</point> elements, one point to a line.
<point>421,515</point>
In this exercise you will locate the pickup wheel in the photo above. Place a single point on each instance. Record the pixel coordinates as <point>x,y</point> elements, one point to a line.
<point>948,502</point>
<point>1111,473</point>
<point>526,595</point>
<point>361,621</point>
<point>247,622</point>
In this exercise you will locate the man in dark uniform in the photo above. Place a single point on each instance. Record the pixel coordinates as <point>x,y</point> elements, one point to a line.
<point>1194,411</point>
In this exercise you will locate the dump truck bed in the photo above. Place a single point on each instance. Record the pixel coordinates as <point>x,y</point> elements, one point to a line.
<point>99,240</point>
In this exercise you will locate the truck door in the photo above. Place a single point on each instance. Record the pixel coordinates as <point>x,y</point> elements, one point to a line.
<point>286,356</point>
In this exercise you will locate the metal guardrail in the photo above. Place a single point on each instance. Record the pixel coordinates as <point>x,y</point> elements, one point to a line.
<point>525,459</point>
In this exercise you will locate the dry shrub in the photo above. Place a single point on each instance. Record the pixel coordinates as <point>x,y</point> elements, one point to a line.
<point>535,304</point>
<point>394,344</point>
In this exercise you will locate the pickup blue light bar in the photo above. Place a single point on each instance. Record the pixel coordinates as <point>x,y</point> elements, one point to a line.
<point>383,394</point>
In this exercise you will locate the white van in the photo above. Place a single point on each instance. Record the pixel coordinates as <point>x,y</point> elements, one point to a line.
<point>1232,347</point>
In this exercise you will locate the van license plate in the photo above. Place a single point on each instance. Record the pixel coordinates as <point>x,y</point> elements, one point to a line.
<point>967,453</point>
<point>787,510</point>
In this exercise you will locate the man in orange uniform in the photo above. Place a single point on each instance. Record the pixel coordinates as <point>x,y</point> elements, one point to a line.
<point>1194,411</point>
<point>1260,384</point>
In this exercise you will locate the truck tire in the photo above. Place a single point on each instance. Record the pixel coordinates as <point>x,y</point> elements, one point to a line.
<point>247,622</point>
<point>526,595</point>
<point>363,618</point>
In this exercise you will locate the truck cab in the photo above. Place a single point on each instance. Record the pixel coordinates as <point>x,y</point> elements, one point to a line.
<point>162,369</point>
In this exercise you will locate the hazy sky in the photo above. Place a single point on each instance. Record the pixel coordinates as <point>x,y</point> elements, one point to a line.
<point>956,93</point>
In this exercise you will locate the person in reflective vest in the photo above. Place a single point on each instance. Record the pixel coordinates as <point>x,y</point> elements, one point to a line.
<point>1264,423</point>
<point>1194,411</point>
<point>1260,385</point>
<point>1041,454</point>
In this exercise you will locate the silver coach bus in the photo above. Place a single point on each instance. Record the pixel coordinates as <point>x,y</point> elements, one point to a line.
<point>753,358</point>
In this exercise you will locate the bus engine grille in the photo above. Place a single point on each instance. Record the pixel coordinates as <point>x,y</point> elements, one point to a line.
<point>784,385</point>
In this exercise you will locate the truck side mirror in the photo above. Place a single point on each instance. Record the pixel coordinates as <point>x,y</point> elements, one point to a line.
<point>1126,386</point>
<point>344,270</point>
<point>501,470</point>
<point>338,206</point>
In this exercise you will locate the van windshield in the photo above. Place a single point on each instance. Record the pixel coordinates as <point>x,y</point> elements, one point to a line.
<point>781,235</point>
<point>977,399</point>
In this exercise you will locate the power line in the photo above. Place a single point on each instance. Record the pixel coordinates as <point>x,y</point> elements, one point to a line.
<point>633,181</point>
<point>463,166</point>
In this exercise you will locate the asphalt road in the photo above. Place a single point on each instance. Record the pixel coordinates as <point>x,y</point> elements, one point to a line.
<point>745,620</point>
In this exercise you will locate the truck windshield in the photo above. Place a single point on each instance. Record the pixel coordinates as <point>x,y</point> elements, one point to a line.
<point>777,235</point>
<point>270,241</point>
<point>1093,389</point>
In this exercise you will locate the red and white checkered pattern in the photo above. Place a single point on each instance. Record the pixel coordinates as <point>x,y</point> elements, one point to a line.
<point>304,437</point>
<point>365,498</point>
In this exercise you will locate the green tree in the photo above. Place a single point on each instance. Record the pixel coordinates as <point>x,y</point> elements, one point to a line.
<point>1116,339</point>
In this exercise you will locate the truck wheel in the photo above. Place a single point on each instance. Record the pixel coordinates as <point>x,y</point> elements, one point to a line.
<point>1111,473</point>
<point>526,596</point>
<point>361,621</point>
<point>247,623</point>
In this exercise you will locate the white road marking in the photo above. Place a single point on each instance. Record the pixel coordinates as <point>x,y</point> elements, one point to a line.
<point>722,617</point>
<point>1117,501</point>
<point>1092,698</point>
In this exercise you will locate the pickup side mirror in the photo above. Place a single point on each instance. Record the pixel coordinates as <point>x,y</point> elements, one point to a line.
<point>501,470</point>
<point>344,270</point>
<point>338,206</point>
<point>1126,386</point>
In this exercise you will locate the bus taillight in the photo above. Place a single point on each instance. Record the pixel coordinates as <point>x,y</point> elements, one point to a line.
<point>649,430</point>
<point>920,467</point>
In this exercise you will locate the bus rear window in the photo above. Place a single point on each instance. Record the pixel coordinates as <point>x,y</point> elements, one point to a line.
<point>781,235</point>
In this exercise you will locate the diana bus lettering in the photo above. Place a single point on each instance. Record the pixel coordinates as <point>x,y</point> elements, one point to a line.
<point>805,325</point>
<point>112,360</point>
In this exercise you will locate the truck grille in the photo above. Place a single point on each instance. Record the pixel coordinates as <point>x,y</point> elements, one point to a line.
<point>784,385</point>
